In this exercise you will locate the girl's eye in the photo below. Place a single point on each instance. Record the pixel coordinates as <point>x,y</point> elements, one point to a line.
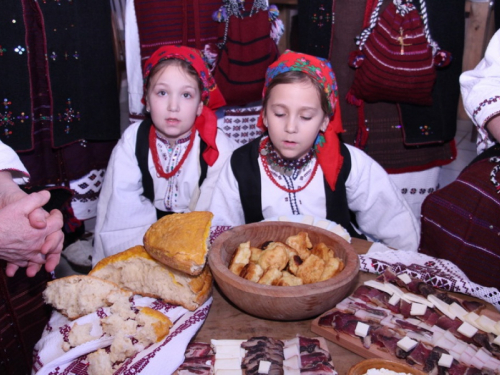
<point>306,118</point>
<point>279,114</point>
<point>186,95</point>
<point>162,93</point>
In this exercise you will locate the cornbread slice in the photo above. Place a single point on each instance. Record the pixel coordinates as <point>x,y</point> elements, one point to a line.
<point>180,241</point>
<point>134,269</point>
<point>79,295</point>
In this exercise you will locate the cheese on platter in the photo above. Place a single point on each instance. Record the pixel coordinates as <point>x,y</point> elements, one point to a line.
<point>258,355</point>
<point>412,332</point>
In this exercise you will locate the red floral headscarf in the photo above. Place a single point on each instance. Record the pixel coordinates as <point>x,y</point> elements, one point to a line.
<point>328,144</point>
<point>206,123</point>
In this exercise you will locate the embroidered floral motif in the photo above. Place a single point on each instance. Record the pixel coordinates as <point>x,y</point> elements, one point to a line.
<point>426,130</point>
<point>483,104</point>
<point>9,119</point>
<point>68,116</point>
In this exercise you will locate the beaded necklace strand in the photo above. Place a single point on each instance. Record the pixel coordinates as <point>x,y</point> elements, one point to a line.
<point>264,151</point>
<point>156,158</point>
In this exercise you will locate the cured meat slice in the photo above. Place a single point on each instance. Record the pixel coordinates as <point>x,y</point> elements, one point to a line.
<point>418,355</point>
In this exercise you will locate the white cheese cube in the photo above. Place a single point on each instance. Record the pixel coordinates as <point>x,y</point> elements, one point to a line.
<point>458,310</point>
<point>445,360</point>
<point>264,367</point>
<point>228,372</point>
<point>291,371</point>
<point>393,289</point>
<point>441,306</point>
<point>296,341</point>
<point>227,364</point>
<point>419,299</point>
<point>486,323</point>
<point>216,343</point>
<point>497,328</point>
<point>471,319</point>
<point>361,329</point>
<point>418,309</point>
<point>404,277</point>
<point>283,218</point>
<point>497,340</point>
<point>407,344</point>
<point>377,285</point>
<point>292,362</point>
<point>467,330</point>
<point>290,351</point>
<point>394,300</point>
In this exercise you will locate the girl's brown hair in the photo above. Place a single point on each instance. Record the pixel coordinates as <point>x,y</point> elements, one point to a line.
<point>294,76</point>
<point>184,65</point>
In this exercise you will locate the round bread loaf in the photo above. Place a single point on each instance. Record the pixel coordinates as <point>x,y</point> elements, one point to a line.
<point>180,241</point>
<point>135,270</point>
<point>79,295</point>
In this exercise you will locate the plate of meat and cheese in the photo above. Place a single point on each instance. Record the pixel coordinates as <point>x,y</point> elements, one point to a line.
<point>400,318</point>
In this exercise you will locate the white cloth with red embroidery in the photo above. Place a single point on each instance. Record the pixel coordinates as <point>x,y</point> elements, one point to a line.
<point>160,358</point>
<point>439,273</point>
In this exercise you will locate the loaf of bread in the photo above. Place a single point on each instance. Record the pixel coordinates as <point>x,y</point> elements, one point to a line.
<point>135,270</point>
<point>79,295</point>
<point>180,241</point>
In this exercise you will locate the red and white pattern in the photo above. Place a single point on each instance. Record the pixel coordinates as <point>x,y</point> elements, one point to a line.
<point>160,358</point>
<point>439,273</point>
<point>240,124</point>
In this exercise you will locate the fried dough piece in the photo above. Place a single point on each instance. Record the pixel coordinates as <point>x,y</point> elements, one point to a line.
<point>333,267</point>
<point>270,277</point>
<point>252,272</point>
<point>287,279</point>
<point>293,264</point>
<point>301,244</point>
<point>241,258</point>
<point>275,256</point>
<point>323,251</point>
<point>254,257</point>
<point>311,270</point>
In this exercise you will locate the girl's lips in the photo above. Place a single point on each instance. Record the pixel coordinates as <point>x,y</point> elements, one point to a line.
<point>172,121</point>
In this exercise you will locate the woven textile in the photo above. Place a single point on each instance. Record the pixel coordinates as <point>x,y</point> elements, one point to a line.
<point>23,315</point>
<point>396,63</point>
<point>178,22</point>
<point>440,273</point>
<point>461,223</point>
<point>240,123</point>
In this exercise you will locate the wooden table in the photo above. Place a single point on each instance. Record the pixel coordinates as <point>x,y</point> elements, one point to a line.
<point>226,321</point>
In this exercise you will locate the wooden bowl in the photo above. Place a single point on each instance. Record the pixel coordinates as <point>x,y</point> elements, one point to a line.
<point>281,302</point>
<point>377,363</point>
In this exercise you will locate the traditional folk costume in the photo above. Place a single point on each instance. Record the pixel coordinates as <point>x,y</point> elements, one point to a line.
<point>23,312</point>
<point>145,182</point>
<point>461,222</point>
<point>481,92</point>
<point>333,181</point>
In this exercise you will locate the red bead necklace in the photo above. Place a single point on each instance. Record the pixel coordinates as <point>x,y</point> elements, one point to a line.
<point>156,158</point>
<point>263,158</point>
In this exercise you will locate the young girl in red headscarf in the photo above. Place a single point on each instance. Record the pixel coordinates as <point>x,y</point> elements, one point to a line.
<point>169,162</point>
<point>300,167</point>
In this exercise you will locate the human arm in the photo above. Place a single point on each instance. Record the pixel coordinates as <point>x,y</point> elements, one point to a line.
<point>123,213</point>
<point>23,245</point>
<point>480,88</point>
<point>29,216</point>
<point>226,203</point>
<point>381,211</point>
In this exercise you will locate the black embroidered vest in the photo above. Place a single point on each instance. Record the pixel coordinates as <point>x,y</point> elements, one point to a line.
<point>245,166</point>
<point>141,153</point>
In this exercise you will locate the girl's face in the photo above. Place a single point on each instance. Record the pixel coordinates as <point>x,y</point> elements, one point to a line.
<point>294,117</point>
<point>174,101</point>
